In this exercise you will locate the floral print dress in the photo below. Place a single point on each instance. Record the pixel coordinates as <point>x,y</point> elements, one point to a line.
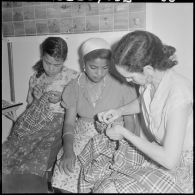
<point>30,149</point>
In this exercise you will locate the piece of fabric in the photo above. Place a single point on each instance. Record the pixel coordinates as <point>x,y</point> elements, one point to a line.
<point>34,118</point>
<point>34,141</point>
<point>108,168</point>
<point>60,81</point>
<point>84,131</point>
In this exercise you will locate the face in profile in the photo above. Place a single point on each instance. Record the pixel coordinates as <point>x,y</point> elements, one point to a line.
<point>134,77</point>
<point>96,69</point>
<point>51,65</point>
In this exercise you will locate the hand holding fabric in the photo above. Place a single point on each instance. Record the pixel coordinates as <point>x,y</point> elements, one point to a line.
<point>109,116</point>
<point>55,97</point>
<point>37,91</point>
<point>115,132</point>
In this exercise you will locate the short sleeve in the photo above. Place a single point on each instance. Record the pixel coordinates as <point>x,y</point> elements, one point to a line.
<point>129,93</point>
<point>72,74</point>
<point>180,94</point>
<point>70,94</point>
<point>178,100</point>
<point>33,80</point>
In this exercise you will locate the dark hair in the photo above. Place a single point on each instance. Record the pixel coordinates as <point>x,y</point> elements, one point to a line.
<point>56,47</point>
<point>140,48</point>
<point>98,53</point>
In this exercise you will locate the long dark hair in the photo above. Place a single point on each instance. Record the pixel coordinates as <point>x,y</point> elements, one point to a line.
<point>56,47</point>
<point>140,48</point>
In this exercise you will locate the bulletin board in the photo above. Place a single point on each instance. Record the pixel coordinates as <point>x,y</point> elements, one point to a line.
<point>45,18</point>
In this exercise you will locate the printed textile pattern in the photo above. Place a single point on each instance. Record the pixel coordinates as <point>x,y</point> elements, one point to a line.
<point>34,118</point>
<point>104,164</point>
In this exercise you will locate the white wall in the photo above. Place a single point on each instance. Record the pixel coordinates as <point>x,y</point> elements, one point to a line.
<point>173,24</point>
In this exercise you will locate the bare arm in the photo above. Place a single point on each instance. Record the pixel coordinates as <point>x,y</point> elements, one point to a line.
<point>128,109</point>
<point>169,152</point>
<point>29,98</point>
<point>68,128</point>
<point>131,108</point>
<point>68,159</point>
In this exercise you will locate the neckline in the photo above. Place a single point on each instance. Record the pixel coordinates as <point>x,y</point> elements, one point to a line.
<point>82,83</point>
<point>56,76</point>
<point>161,83</point>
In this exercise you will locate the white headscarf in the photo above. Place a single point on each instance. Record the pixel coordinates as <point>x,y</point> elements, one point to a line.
<point>93,44</point>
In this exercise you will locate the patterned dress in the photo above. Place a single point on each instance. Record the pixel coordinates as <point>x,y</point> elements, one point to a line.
<point>126,169</point>
<point>76,95</point>
<point>35,138</point>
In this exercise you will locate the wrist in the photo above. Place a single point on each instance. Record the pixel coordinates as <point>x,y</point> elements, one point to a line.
<point>68,142</point>
<point>68,134</point>
<point>67,151</point>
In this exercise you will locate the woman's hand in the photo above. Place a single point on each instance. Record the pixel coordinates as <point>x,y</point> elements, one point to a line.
<point>115,132</point>
<point>55,97</point>
<point>37,91</point>
<point>67,162</point>
<point>109,116</point>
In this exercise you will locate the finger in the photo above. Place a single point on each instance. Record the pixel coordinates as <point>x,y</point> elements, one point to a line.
<point>100,116</point>
<point>66,170</point>
<point>53,99</point>
<point>63,169</point>
<point>32,81</point>
<point>56,93</point>
<point>108,118</point>
<point>60,168</point>
<point>109,126</point>
<point>106,115</point>
<point>70,167</point>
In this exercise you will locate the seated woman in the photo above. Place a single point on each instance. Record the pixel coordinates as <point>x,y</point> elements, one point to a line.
<point>94,91</point>
<point>165,164</point>
<point>35,139</point>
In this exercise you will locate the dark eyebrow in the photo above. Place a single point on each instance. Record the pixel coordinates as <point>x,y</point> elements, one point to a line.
<point>51,63</point>
<point>97,66</point>
<point>91,65</point>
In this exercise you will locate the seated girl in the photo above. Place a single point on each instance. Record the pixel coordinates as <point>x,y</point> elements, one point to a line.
<point>35,139</point>
<point>94,91</point>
